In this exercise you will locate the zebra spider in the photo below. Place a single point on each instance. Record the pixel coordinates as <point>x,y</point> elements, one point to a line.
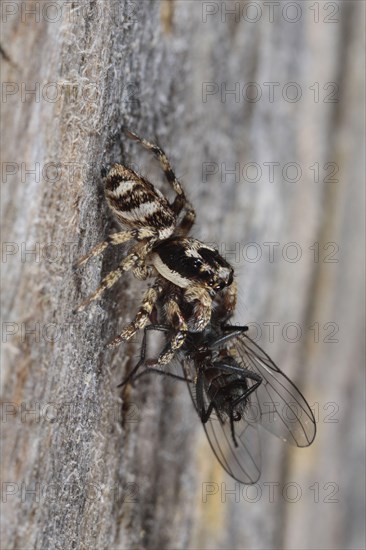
<point>163,250</point>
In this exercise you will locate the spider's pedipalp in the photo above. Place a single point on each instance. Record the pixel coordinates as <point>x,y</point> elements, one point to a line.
<point>202,307</point>
<point>227,301</point>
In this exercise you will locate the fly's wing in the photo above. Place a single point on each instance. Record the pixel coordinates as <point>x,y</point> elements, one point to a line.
<point>276,404</point>
<point>242,462</point>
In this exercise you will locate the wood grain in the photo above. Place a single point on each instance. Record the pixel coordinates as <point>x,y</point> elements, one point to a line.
<point>132,469</point>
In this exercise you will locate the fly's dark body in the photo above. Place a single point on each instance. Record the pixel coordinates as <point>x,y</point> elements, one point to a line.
<point>225,389</point>
<point>236,387</point>
<point>223,386</point>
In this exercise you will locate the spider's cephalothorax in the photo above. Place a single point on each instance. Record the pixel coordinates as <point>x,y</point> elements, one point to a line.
<point>186,262</point>
<point>163,250</point>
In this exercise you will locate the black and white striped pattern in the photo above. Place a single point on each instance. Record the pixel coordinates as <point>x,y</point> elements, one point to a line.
<point>136,203</point>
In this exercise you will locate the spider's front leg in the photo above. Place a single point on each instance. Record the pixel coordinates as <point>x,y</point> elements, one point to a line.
<point>179,326</point>
<point>137,255</point>
<point>171,349</point>
<point>113,239</point>
<point>143,315</point>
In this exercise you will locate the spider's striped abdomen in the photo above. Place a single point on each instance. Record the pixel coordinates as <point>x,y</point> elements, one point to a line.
<point>136,203</point>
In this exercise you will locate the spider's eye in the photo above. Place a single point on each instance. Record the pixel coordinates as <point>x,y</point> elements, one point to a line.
<point>197,263</point>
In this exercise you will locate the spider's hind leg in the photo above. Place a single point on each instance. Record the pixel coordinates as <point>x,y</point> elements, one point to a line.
<point>162,158</point>
<point>180,201</point>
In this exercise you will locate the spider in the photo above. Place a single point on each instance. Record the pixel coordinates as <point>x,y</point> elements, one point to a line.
<point>164,251</point>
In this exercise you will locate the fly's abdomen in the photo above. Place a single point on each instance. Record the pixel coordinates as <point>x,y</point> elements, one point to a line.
<point>225,390</point>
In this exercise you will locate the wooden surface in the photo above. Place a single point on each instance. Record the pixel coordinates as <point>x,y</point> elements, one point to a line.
<point>133,469</point>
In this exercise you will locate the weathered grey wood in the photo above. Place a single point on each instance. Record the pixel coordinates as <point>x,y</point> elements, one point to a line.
<point>138,477</point>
